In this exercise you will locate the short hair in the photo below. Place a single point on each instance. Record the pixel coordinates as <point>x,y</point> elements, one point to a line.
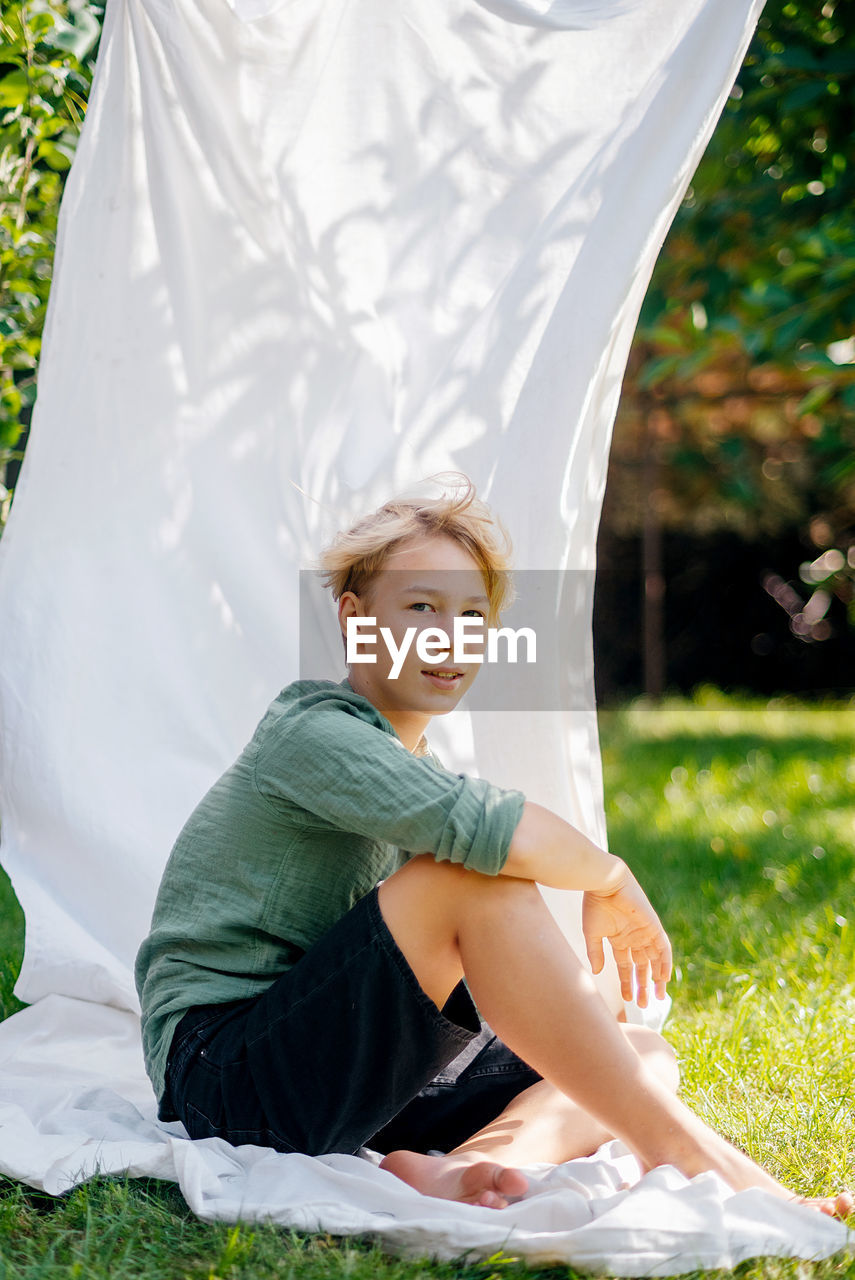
<point>354,556</point>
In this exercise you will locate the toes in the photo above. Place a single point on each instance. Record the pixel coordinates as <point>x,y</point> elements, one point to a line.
<point>511,1182</point>
<point>489,1185</point>
<point>845,1205</point>
<point>490,1200</point>
<point>840,1206</point>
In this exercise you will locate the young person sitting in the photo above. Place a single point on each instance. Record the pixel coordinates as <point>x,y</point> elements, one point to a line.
<point>337,895</point>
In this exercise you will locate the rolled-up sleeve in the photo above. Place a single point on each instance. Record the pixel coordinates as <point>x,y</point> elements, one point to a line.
<point>345,771</point>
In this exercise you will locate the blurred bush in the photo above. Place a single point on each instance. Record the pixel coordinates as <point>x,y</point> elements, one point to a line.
<point>46,66</point>
<point>738,412</point>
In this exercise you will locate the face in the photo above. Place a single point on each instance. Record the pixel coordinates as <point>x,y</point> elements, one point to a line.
<point>425,584</point>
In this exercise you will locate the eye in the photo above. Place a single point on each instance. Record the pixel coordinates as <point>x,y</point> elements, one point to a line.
<point>473,613</point>
<point>421,606</point>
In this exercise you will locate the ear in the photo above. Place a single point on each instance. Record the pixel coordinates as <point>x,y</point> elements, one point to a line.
<point>349,606</point>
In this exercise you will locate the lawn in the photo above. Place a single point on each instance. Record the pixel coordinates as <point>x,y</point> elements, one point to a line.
<point>739,819</point>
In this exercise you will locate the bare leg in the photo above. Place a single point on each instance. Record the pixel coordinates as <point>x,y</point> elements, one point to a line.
<point>543,1125</point>
<point>540,1125</point>
<point>542,1002</point>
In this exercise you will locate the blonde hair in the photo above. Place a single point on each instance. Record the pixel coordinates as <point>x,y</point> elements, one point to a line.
<point>354,557</point>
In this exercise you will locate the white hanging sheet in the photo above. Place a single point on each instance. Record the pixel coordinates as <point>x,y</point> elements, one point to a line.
<point>310,253</point>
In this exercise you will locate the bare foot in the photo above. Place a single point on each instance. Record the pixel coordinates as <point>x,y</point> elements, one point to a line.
<point>699,1149</point>
<point>466,1178</point>
<point>740,1172</point>
<point>839,1206</point>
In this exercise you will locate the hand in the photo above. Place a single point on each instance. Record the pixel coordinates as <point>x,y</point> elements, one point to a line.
<point>640,944</point>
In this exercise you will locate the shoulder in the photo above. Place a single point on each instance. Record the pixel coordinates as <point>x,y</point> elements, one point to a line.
<point>319,739</point>
<point>319,707</point>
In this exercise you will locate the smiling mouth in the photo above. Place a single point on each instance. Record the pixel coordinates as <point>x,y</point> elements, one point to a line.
<point>443,674</point>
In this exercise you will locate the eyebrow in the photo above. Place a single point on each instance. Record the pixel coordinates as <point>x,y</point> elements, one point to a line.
<point>435,591</point>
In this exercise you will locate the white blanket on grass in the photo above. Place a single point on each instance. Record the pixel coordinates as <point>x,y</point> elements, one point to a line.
<point>63,1120</point>
<point>310,253</point>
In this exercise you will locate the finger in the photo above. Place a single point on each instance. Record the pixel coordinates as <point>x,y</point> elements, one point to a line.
<point>642,976</point>
<point>596,955</point>
<point>662,967</point>
<point>625,970</point>
<point>642,972</point>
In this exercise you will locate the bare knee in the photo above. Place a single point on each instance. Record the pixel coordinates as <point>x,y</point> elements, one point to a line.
<point>444,897</point>
<point>423,874</point>
<point>656,1052</point>
<point>427,907</point>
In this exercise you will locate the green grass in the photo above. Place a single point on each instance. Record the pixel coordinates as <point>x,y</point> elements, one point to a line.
<point>11,946</point>
<point>739,819</point>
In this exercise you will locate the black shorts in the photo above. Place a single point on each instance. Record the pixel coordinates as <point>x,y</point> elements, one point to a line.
<point>344,1050</point>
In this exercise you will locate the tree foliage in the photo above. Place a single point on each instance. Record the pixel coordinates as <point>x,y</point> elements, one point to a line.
<point>46,70</point>
<point>741,386</point>
<point>762,248</point>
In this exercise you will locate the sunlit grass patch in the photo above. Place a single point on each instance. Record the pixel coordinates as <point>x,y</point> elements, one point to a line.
<point>739,819</point>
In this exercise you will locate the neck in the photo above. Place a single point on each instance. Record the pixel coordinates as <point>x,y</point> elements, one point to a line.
<point>408,725</point>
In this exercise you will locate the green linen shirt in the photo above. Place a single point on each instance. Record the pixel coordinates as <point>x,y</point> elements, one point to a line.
<point>323,803</point>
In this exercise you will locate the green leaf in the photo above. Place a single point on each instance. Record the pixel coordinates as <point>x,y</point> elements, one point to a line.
<point>656,371</point>
<point>11,399</point>
<point>58,155</point>
<point>803,94</point>
<point>14,89</point>
<point>28,393</point>
<point>795,60</point>
<point>815,399</point>
<point>800,271</point>
<point>40,23</point>
<point>50,126</point>
<point>664,336</point>
<point>79,38</point>
<point>10,432</point>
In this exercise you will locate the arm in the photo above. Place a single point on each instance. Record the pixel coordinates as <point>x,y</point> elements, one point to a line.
<point>549,850</point>
<point>331,764</point>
